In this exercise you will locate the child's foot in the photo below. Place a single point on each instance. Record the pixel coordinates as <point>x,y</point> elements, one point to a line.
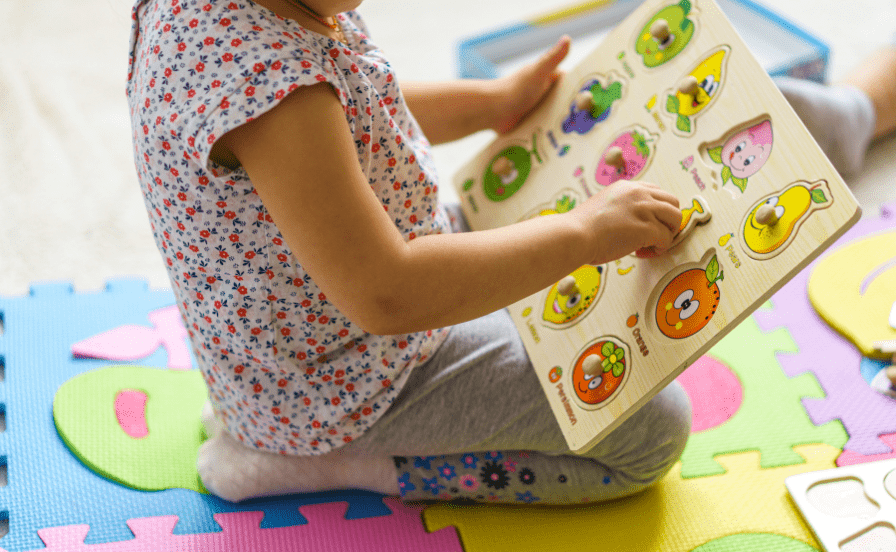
<point>840,118</point>
<point>236,472</point>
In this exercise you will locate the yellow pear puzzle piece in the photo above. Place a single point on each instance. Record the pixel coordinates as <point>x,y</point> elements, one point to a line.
<point>854,289</point>
<point>676,515</point>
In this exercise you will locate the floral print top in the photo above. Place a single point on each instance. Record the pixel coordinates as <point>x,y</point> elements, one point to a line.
<point>287,372</point>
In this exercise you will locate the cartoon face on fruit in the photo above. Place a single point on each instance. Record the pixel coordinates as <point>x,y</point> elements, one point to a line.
<point>689,301</point>
<point>600,372</point>
<point>773,222</point>
<point>697,90</point>
<point>591,106</point>
<point>666,34</point>
<point>636,147</point>
<point>571,297</point>
<point>507,172</point>
<point>744,154</point>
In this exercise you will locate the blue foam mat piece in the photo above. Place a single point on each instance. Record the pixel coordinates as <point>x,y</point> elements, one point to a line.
<point>47,485</point>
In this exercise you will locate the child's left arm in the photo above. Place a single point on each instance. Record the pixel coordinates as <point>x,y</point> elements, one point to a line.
<point>452,110</point>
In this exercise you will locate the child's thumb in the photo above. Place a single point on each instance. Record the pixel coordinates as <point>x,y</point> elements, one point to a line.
<point>553,57</point>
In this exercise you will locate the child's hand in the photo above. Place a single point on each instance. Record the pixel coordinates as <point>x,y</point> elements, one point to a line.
<point>521,92</point>
<point>629,216</point>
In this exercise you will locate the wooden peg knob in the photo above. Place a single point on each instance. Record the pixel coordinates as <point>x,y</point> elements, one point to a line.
<point>891,374</point>
<point>689,85</point>
<point>592,365</point>
<point>502,166</point>
<point>584,101</point>
<point>765,214</point>
<point>659,30</point>
<point>614,157</point>
<point>567,286</point>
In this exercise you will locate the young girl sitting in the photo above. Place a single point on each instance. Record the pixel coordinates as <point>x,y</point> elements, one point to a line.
<point>351,334</point>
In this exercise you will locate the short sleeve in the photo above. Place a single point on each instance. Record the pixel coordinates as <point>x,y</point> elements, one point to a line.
<point>252,93</point>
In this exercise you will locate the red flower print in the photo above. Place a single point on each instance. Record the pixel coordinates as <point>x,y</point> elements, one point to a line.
<point>258,67</point>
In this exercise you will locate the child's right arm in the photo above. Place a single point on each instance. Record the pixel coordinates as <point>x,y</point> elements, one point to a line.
<point>302,160</point>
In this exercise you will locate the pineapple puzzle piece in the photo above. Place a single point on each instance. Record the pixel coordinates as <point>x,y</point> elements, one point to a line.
<point>770,418</point>
<point>865,413</point>
<point>676,515</point>
<point>327,530</point>
<point>47,485</point>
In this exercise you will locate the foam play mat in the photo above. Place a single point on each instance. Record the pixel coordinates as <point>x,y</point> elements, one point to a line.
<point>102,428</point>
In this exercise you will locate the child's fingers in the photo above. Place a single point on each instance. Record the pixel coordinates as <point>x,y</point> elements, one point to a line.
<point>670,216</point>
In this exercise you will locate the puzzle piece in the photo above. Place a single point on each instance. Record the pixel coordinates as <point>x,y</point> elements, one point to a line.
<point>93,417</point>
<point>677,515</point>
<point>865,413</point>
<point>770,418</point>
<point>714,391</point>
<point>755,541</point>
<point>327,530</point>
<point>132,342</point>
<point>47,485</point>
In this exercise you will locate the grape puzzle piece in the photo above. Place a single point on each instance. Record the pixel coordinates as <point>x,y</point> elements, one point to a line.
<point>865,413</point>
<point>326,530</point>
<point>47,485</point>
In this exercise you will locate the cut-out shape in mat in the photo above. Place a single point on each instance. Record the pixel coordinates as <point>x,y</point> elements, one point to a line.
<point>770,419</point>
<point>787,211</point>
<point>866,414</point>
<point>853,289</point>
<point>86,410</point>
<point>715,393</point>
<point>326,529</point>
<point>132,342</point>
<point>666,34</point>
<point>676,515</point>
<point>743,154</point>
<point>755,541</point>
<point>47,485</point>
<point>697,90</point>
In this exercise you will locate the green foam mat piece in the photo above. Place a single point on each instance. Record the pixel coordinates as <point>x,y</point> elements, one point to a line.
<point>109,440</point>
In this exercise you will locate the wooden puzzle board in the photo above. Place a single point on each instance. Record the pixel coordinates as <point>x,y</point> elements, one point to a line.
<point>606,342</point>
<point>851,508</point>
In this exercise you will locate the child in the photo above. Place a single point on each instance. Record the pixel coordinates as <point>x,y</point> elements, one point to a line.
<point>340,324</point>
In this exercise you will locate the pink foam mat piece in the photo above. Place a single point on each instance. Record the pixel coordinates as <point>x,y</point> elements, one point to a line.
<point>866,414</point>
<point>131,342</point>
<point>327,530</point>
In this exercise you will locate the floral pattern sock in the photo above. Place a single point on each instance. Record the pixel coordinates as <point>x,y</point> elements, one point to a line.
<point>506,477</point>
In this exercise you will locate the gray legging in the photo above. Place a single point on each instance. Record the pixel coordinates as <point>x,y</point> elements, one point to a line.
<point>475,423</point>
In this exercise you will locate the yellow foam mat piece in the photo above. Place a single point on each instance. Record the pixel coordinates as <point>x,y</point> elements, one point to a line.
<point>676,515</point>
<point>853,289</point>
